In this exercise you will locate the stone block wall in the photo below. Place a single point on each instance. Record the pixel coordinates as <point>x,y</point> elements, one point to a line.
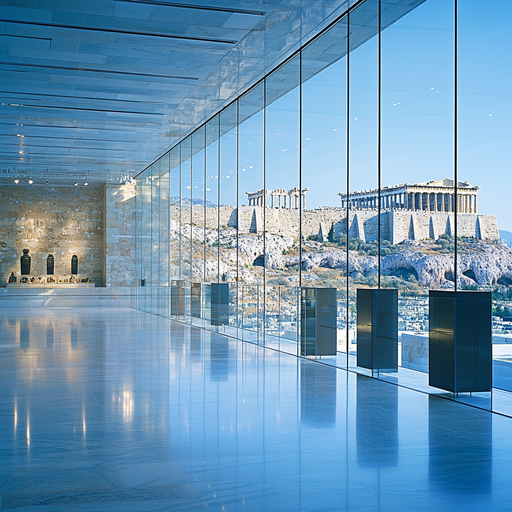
<point>119,232</point>
<point>395,225</point>
<point>51,220</point>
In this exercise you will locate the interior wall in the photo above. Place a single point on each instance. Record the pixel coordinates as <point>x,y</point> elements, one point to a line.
<point>52,220</point>
<point>119,232</point>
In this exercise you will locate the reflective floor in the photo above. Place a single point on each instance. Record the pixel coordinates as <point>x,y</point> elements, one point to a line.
<point>118,410</point>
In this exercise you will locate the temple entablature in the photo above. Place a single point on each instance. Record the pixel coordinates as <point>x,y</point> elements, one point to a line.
<point>434,196</point>
<point>279,198</point>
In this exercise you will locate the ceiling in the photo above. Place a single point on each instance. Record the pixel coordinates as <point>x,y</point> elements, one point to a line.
<point>94,90</point>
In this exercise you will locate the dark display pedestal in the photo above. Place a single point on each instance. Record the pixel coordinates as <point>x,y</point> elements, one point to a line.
<point>219,304</point>
<point>460,341</point>
<point>318,333</point>
<point>377,329</point>
<point>196,299</point>
<point>178,298</point>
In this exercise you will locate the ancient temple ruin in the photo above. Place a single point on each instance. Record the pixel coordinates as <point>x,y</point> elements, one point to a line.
<point>432,196</point>
<point>279,198</point>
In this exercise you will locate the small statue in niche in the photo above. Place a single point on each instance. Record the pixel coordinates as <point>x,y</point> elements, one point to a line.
<point>24,280</point>
<point>72,279</point>
<point>50,264</point>
<point>51,280</point>
<point>25,261</point>
<point>12,278</point>
<point>74,264</point>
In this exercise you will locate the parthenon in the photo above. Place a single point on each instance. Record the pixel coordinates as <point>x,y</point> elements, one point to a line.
<point>433,196</point>
<point>259,198</point>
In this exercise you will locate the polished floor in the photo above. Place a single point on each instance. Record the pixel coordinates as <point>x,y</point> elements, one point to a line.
<point>118,410</point>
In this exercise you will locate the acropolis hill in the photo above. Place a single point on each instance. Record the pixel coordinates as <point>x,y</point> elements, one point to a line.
<point>408,212</point>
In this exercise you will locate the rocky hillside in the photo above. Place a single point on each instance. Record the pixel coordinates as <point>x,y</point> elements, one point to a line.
<point>429,263</point>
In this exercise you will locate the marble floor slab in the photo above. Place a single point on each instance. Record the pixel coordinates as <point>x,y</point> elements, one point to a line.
<point>118,410</point>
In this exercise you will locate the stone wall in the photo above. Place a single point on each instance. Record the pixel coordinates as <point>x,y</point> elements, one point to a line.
<point>119,233</point>
<point>395,225</point>
<point>51,220</point>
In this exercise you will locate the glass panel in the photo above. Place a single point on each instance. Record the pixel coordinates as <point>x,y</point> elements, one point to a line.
<point>175,210</point>
<point>198,222</point>
<point>186,221</point>
<point>324,176</point>
<point>211,257</point>
<point>417,251</point>
<point>363,161</point>
<point>155,236</point>
<point>484,126</point>
<point>282,213</point>
<point>146,241</point>
<point>163,305</point>
<point>228,233</point>
<point>251,248</point>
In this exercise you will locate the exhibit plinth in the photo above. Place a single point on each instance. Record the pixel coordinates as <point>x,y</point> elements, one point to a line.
<point>178,297</point>
<point>460,341</point>
<point>196,299</point>
<point>219,304</point>
<point>377,329</point>
<point>318,333</point>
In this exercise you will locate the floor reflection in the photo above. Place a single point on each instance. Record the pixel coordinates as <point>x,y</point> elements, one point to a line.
<point>317,394</point>
<point>376,424</point>
<point>219,358</point>
<point>24,334</point>
<point>460,448</point>
<point>148,414</point>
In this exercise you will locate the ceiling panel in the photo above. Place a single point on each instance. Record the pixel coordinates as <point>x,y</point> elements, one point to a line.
<point>98,89</point>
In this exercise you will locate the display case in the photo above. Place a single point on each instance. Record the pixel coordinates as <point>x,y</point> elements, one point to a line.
<point>219,303</point>
<point>318,333</point>
<point>460,340</point>
<point>377,329</point>
<point>178,297</point>
<point>196,299</point>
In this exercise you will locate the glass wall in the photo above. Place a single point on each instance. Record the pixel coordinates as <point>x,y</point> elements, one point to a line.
<point>374,158</point>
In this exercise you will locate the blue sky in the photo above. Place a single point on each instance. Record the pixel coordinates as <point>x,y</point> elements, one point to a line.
<point>417,113</point>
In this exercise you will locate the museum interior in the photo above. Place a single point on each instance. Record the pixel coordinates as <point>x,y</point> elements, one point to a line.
<point>255,255</point>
